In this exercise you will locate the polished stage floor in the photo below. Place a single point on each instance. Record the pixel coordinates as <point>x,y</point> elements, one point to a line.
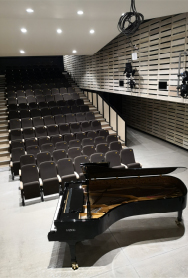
<point>142,246</point>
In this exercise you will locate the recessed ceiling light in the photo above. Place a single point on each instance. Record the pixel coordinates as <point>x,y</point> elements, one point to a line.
<point>80,12</point>
<point>22,51</point>
<point>92,31</point>
<point>29,10</point>
<point>24,30</point>
<point>59,31</point>
<point>74,51</point>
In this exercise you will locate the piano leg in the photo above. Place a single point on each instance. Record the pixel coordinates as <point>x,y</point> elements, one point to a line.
<point>72,247</point>
<point>179,219</point>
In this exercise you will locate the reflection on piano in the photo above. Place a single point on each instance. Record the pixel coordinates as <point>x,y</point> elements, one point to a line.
<point>86,209</point>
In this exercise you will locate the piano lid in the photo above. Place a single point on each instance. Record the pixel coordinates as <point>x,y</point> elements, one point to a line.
<point>102,170</point>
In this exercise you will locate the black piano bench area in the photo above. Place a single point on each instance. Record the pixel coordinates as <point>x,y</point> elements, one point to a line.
<point>86,209</point>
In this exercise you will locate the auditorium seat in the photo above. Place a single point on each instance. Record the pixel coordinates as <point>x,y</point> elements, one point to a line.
<point>128,159</point>
<point>56,138</point>
<point>31,142</point>
<point>15,124</point>
<point>90,116</point>
<point>52,130</point>
<point>99,140</point>
<point>35,113</point>
<point>70,118</point>
<point>45,111</point>
<point>29,92</point>
<point>88,150</point>
<point>28,133</point>
<point>115,146</point>
<point>59,154</point>
<point>33,150</point>
<point>38,121</point>
<point>63,91</point>
<point>79,101</point>
<point>49,147</point>
<point>12,100</point>
<point>20,93</point>
<point>17,144</point>
<point>74,152</point>
<point>70,102</point>
<point>114,159</point>
<point>81,135</point>
<point>92,134</point>
<point>15,160</point>
<point>66,110</point>
<point>103,132</point>
<point>56,110</point>
<point>67,96</point>
<point>66,170</point>
<point>96,125</point>
<point>26,122</point>
<point>49,178</point>
<point>30,186</point>
<point>75,96</point>
<point>86,126</point>
<point>24,114</point>
<point>43,140</point>
<point>111,138</point>
<point>77,161</point>
<point>102,148</point>
<point>80,117</point>
<point>43,157</point>
<point>38,91</point>
<point>87,142</point>
<point>97,158</point>
<point>75,127</point>
<point>55,91</point>
<point>13,115</point>
<point>46,91</point>
<point>59,119</point>
<point>26,159</point>
<point>64,128</point>
<point>75,109</point>
<point>69,137</point>
<point>21,100</point>
<point>16,134</point>
<point>63,145</point>
<point>41,131</point>
<point>75,143</point>
<point>48,120</point>
<point>31,99</point>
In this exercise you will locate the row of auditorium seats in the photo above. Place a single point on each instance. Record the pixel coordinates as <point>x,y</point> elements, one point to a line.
<point>46,90</point>
<point>51,120</point>
<point>45,176</point>
<point>53,130</point>
<point>47,111</point>
<point>66,142</point>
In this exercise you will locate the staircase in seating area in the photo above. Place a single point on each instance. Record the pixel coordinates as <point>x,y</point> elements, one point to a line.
<point>98,116</point>
<point>4,134</point>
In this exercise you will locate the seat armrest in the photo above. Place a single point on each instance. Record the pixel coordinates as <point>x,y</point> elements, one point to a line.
<point>40,181</point>
<point>11,164</point>
<point>139,163</point>
<point>76,174</point>
<point>59,178</point>
<point>21,185</point>
<point>20,172</point>
<point>124,165</point>
<point>10,155</point>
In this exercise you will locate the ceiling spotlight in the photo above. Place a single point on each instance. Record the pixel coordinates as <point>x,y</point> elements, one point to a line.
<point>24,30</point>
<point>22,51</point>
<point>92,31</point>
<point>80,12</point>
<point>29,11</point>
<point>59,31</point>
<point>74,51</point>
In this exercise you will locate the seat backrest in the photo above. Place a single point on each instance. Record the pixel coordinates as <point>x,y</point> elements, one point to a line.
<point>42,157</point>
<point>99,140</point>
<point>31,99</point>
<point>78,160</point>
<point>64,128</point>
<point>56,111</point>
<point>56,138</point>
<point>48,170</point>
<point>55,91</point>
<point>80,101</point>
<point>75,96</point>
<point>97,158</point>
<point>27,159</point>
<point>27,122</point>
<point>75,109</point>
<point>80,117</point>
<point>20,93</point>
<point>17,144</point>
<point>63,90</point>
<point>38,121</point>
<point>66,110</point>
<point>29,173</point>
<point>35,113</point>
<point>88,150</point>
<point>15,124</point>
<point>92,134</point>
<point>33,150</point>
<point>49,147</point>
<point>103,132</point>
<point>49,120</point>
<point>17,153</point>
<point>59,154</point>
<point>13,115</point>
<point>36,86</point>
<point>61,146</point>
<point>38,92</point>
<point>45,111</point>
<point>86,126</point>
<point>21,100</point>
<point>28,133</point>
<point>65,167</point>
<point>115,146</point>
<point>59,119</point>
<point>43,140</point>
<point>87,142</point>
<point>127,156</point>
<point>75,143</point>
<point>84,108</point>
<point>41,131</point>
<point>90,116</point>
<point>96,125</point>
<point>67,96</point>
<point>46,91</point>
<point>113,157</point>
<point>70,118</point>
<point>111,138</point>
<point>49,98</point>
<point>81,135</point>
<point>52,130</point>
<point>24,114</point>
<point>74,152</point>
<point>75,127</point>
<point>68,137</point>
<point>102,148</point>
<point>16,134</point>
<point>58,97</point>
<point>31,142</point>
<point>40,98</point>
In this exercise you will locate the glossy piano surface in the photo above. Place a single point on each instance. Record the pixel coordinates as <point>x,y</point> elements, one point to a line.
<point>86,209</point>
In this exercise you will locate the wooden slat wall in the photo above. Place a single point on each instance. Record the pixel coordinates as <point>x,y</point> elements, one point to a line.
<point>164,119</point>
<point>161,113</point>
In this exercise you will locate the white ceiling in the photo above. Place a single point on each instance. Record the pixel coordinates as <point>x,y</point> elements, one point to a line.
<point>49,15</point>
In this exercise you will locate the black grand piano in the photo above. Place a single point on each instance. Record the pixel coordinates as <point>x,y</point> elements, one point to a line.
<point>87,208</point>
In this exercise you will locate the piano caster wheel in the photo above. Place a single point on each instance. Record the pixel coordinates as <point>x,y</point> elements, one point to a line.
<point>178,223</point>
<point>74,266</point>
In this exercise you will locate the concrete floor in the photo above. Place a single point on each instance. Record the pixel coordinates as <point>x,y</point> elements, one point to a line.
<point>141,246</point>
